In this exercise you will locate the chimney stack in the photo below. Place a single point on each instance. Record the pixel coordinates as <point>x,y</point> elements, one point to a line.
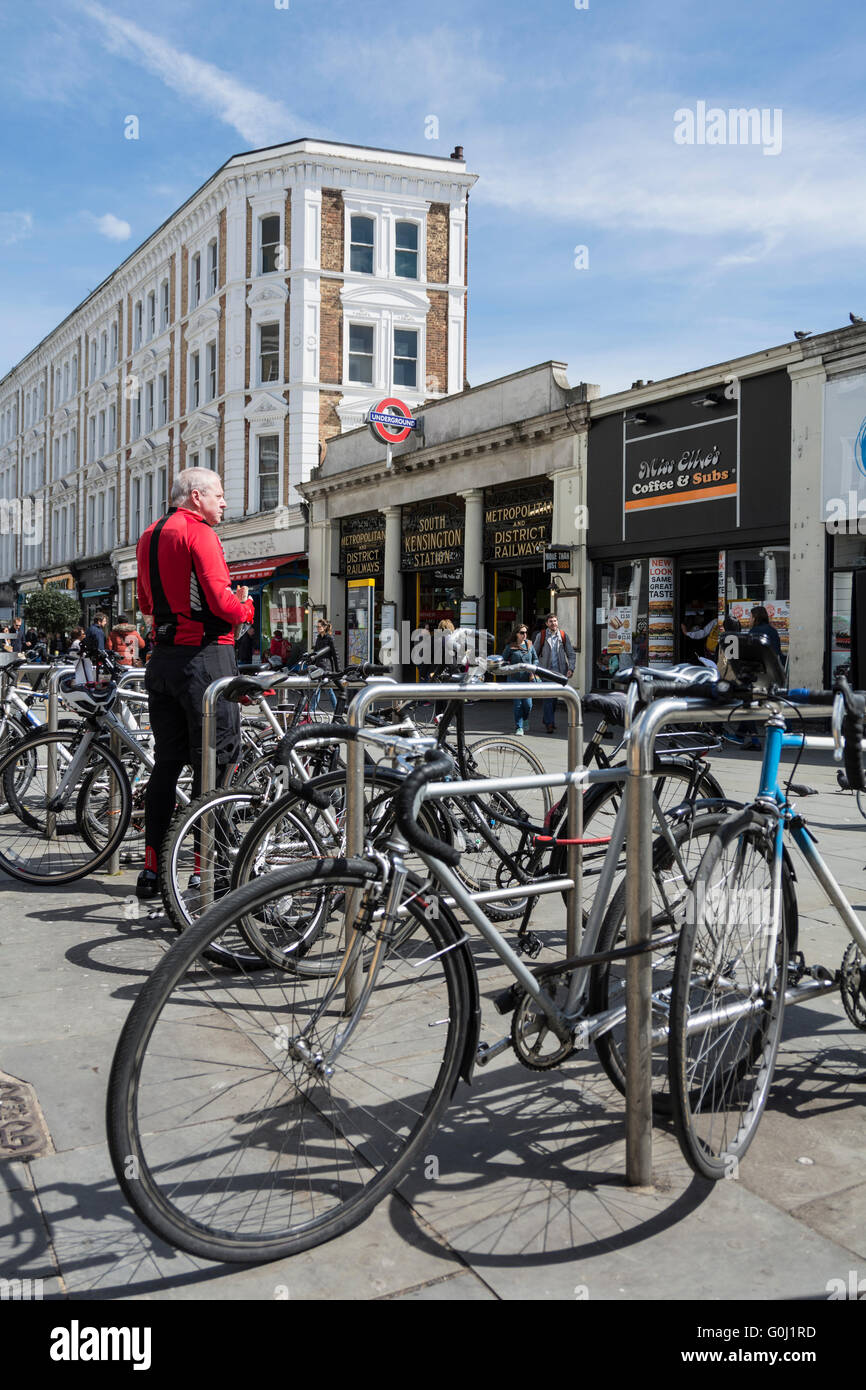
<point>457,152</point>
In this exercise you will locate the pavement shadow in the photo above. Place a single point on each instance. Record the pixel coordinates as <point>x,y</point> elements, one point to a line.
<point>531,1171</point>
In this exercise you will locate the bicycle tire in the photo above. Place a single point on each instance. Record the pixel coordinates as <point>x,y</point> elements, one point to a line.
<point>224,1140</point>
<point>721,1069</point>
<point>26,852</point>
<point>231,810</point>
<point>608,979</point>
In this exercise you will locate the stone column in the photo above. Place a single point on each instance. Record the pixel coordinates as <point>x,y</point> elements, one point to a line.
<point>473,548</point>
<point>393,580</point>
<point>570,528</point>
<point>807,635</point>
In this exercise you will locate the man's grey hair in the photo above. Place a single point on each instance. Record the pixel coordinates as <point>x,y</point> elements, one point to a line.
<point>191,480</point>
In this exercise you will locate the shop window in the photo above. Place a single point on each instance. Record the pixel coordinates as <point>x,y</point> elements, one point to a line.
<point>361,353</point>
<point>405,357</point>
<point>268,472</point>
<point>361,247</point>
<point>406,250</point>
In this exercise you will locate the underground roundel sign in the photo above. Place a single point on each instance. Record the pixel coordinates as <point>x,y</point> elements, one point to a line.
<point>391,421</point>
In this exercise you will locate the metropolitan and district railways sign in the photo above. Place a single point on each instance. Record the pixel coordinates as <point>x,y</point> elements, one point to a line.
<point>517,523</point>
<point>362,545</point>
<point>433,535</point>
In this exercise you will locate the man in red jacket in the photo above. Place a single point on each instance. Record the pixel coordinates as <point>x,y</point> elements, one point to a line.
<point>184,584</point>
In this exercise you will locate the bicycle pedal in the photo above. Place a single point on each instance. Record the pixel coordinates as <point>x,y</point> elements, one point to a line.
<point>528,944</point>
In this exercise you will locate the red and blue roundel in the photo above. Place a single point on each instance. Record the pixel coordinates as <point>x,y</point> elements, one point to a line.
<point>385,421</point>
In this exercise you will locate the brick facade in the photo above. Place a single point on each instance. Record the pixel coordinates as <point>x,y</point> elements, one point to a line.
<point>332,230</point>
<point>437,341</point>
<point>331,332</point>
<point>329,420</point>
<point>221,348</point>
<point>438,227</point>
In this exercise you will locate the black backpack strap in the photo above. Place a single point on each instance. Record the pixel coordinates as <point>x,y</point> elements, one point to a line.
<point>164,620</point>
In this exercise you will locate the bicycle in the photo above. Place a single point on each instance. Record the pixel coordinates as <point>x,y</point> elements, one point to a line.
<point>737,961</point>
<point>251,1116</point>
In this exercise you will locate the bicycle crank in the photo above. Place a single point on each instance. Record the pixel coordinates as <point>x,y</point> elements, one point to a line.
<point>852,986</point>
<point>535,1043</point>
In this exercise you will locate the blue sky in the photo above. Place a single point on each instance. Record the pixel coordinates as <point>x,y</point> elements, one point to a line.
<point>696,252</point>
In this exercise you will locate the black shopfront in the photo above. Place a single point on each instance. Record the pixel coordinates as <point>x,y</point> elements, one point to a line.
<point>689,518</point>
<point>431,558</point>
<point>517,530</point>
<point>362,564</point>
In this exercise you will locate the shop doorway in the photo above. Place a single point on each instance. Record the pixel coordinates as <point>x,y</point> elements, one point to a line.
<point>698,604</point>
<point>515,596</point>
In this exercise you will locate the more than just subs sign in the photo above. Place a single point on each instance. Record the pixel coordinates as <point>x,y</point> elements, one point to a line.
<point>391,421</point>
<point>557,559</point>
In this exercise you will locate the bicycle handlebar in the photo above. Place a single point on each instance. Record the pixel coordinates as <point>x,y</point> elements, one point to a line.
<point>437,765</point>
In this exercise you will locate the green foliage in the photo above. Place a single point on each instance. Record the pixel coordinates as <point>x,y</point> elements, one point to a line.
<point>51,610</point>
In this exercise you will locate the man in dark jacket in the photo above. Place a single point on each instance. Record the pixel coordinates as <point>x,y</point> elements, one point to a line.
<point>554,651</point>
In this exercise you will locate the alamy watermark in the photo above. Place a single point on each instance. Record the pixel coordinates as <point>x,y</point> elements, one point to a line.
<point>846,516</point>
<point>419,646</point>
<point>25,519</point>
<point>739,125</point>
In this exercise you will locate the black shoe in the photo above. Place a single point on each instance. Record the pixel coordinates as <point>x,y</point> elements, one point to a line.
<point>147,886</point>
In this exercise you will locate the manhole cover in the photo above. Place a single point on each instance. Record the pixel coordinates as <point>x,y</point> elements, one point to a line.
<point>23,1131</point>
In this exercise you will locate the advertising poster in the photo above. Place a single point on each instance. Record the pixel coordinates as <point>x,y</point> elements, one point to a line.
<point>619,631</point>
<point>661,611</point>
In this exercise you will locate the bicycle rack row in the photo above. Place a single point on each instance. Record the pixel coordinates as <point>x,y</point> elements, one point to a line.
<point>639,839</point>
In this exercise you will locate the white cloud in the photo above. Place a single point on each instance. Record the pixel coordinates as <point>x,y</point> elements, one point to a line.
<point>113,227</point>
<point>15,226</point>
<point>258,119</point>
<point>625,174</point>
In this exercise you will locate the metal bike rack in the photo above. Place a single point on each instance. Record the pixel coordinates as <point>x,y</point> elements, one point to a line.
<point>523,690</point>
<point>639,841</point>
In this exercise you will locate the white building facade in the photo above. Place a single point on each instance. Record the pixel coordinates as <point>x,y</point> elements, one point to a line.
<point>295,289</point>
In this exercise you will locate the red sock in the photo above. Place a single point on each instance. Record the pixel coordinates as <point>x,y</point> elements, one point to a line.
<point>150,860</point>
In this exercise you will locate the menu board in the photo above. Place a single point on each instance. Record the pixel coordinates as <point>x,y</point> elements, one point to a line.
<point>661,610</point>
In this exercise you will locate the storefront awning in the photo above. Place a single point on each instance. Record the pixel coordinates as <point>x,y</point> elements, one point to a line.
<point>260,569</point>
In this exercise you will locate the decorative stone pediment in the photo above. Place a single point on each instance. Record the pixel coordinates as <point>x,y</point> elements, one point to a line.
<point>376,295</point>
<point>268,296</point>
<point>143,451</point>
<point>265,408</point>
<point>201,428</point>
<point>203,320</point>
<point>144,363</point>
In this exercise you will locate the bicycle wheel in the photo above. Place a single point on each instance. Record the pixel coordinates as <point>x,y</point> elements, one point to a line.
<point>508,757</point>
<point>236,1131</point>
<point>727,1001</point>
<point>673,875</point>
<point>38,845</point>
<point>223,818</point>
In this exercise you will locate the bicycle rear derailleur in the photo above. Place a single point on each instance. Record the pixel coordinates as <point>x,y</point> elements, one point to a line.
<point>852,986</point>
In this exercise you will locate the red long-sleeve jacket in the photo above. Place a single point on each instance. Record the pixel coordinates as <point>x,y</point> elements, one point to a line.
<point>184,583</point>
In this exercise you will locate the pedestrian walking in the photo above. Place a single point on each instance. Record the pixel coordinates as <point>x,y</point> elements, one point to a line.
<point>520,651</point>
<point>126,643</point>
<point>556,653</point>
<point>326,659</point>
<point>184,584</point>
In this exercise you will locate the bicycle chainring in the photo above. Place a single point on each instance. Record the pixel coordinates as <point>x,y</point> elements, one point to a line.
<point>535,1044</point>
<point>852,986</point>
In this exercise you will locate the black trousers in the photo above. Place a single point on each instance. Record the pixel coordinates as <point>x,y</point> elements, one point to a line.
<point>176,679</point>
